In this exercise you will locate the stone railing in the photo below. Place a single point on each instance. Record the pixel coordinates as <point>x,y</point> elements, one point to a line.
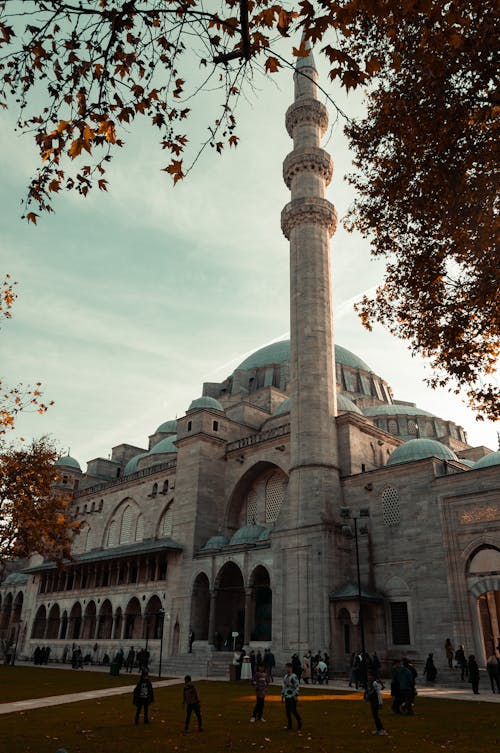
<point>262,436</point>
<point>124,479</point>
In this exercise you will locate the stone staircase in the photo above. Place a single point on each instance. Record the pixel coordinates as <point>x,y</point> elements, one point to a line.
<point>201,664</point>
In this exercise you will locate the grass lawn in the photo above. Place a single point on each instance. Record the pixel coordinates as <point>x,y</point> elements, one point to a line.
<point>22,682</point>
<point>332,722</point>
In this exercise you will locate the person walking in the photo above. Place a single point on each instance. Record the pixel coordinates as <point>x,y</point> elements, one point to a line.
<point>143,696</point>
<point>430,671</point>
<point>191,700</point>
<point>473,674</point>
<point>290,694</point>
<point>461,661</point>
<point>306,669</point>
<point>493,669</point>
<point>373,695</point>
<point>260,682</point>
<point>129,663</point>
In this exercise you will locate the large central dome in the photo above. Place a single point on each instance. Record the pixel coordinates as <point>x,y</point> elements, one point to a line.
<point>280,351</point>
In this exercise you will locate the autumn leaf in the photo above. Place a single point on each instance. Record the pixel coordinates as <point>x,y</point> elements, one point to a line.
<point>272,64</point>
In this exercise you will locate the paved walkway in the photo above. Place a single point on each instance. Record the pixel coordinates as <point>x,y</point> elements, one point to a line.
<point>457,694</point>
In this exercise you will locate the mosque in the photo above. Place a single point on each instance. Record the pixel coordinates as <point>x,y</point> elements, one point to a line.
<point>296,505</point>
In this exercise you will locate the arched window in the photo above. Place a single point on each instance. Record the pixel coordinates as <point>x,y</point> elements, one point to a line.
<point>154,490</point>
<point>112,534</point>
<point>275,494</point>
<point>165,487</point>
<point>166,522</point>
<point>139,528</point>
<point>126,527</point>
<point>391,513</point>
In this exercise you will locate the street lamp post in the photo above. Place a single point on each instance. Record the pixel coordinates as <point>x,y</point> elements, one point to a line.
<point>346,530</point>
<point>161,612</point>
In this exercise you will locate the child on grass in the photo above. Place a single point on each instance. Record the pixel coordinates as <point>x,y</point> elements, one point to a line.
<point>260,682</point>
<point>191,700</point>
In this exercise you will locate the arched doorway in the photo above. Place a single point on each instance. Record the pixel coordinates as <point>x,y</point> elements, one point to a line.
<point>53,622</point>
<point>133,620</point>
<point>484,569</point>
<point>75,621</point>
<point>64,625</point>
<point>200,607</point>
<point>117,632</point>
<point>5,614</point>
<point>89,621</point>
<point>230,604</point>
<point>153,619</point>
<point>39,623</point>
<point>105,621</point>
<point>262,605</point>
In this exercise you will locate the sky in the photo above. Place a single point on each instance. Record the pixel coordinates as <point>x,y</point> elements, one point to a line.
<point>128,301</point>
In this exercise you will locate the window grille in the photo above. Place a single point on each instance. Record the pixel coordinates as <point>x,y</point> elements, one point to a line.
<point>251,507</point>
<point>166,523</point>
<point>126,529</point>
<point>400,624</point>
<point>275,492</point>
<point>393,426</point>
<point>412,427</point>
<point>391,512</point>
<point>111,540</point>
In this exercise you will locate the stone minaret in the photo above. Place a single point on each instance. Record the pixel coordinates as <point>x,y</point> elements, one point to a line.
<point>303,540</point>
<point>309,221</point>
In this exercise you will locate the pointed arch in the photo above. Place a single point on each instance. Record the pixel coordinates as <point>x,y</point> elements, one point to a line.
<point>126,525</point>
<point>105,621</point>
<point>53,622</point>
<point>133,628</point>
<point>112,535</point>
<point>165,528</point>
<point>39,623</point>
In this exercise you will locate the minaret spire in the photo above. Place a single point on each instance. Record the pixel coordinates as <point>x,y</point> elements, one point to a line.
<point>308,221</point>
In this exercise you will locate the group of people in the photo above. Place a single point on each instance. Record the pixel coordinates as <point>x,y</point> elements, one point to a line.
<point>469,667</point>
<point>41,655</point>
<point>313,668</point>
<point>254,660</point>
<point>361,663</point>
<point>143,697</point>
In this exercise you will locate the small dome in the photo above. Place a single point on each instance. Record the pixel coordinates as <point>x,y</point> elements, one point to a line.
<point>169,427</point>
<point>395,409</point>
<point>488,460</point>
<point>417,449</point>
<point>164,446</point>
<point>206,402</point>
<point>69,463</point>
<point>216,542</point>
<point>347,405</point>
<point>131,466</point>
<point>247,535</point>
<point>283,407</point>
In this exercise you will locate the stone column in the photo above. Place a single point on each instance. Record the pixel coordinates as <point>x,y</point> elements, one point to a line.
<point>247,630</point>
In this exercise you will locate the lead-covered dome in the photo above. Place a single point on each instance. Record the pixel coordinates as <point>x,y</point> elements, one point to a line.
<point>165,446</point>
<point>168,427</point>
<point>131,466</point>
<point>417,449</point>
<point>216,542</point>
<point>247,534</point>
<point>280,351</point>
<point>206,402</point>
<point>493,458</point>
<point>69,463</point>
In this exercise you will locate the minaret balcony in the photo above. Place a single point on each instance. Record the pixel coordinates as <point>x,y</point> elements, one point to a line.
<point>306,111</point>
<point>311,210</point>
<point>307,159</point>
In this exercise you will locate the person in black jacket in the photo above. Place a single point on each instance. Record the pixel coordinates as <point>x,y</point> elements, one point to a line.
<point>473,674</point>
<point>143,696</point>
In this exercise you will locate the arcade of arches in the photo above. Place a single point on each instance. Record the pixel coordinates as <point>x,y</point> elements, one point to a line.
<point>232,607</point>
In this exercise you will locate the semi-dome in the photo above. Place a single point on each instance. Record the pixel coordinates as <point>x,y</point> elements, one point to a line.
<point>347,405</point>
<point>69,463</point>
<point>247,534</point>
<point>15,579</point>
<point>216,542</point>
<point>168,427</point>
<point>165,446</point>
<point>395,409</point>
<point>206,402</point>
<point>279,352</point>
<point>131,466</point>
<point>488,460</point>
<point>417,449</point>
